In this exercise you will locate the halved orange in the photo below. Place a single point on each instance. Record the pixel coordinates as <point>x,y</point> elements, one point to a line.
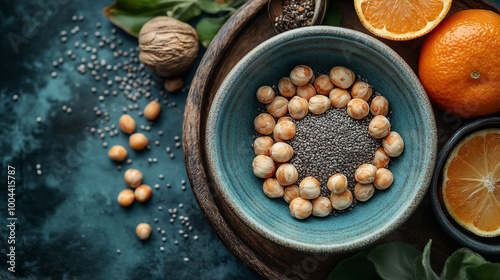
<point>401,20</point>
<point>471,183</point>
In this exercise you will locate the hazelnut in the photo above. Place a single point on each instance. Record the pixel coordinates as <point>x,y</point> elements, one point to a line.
<point>339,97</point>
<point>393,144</point>
<point>323,85</point>
<point>133,177</point>
<point>142,193</point>
<point>261,145</point>
<point>381,158</point>
<point>126,197</point>
<point>309,188</point>
<point>298,107</point>
<point>143,231</point>
<point>342,200</point>
<point>117,153</point>
<point>138,141</point>
<point>383,179</point>
<point>152,110</point>
<point>291,193</point>
<point>278,107</point>
<point>272,188</point>
<point>322,206</point>
<point>361,90</point>
<point>363,192</point>
<point>301,75</point>
<point>318,104</point>
<point>379,106</point>
<point>281,152</point>
<point>300,208</point>
<point>263,166</point>
<point>287,174</point>
<point>264,124</point>
<point>306,91</point>
<point>337,183</point>
<point>342,77</point>
<point>276,138</point>
<point>285,118</point>
<point>173,84</point>
<point>365,174</point>
<point>127,124</point>
<point>265,94</point>
<point>286,87</point>
<point>285,130</point>
<point>379,127</point>
<point>357,108</point>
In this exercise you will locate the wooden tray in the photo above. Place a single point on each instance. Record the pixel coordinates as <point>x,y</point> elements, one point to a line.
<point>246,29</point>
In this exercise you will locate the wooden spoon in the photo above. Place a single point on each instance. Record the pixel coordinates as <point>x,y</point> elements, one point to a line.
<point>275,9</point>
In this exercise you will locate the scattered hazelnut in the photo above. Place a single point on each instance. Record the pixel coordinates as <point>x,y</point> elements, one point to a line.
<point>306,91</point>
<point>281,152</point>
<point>286,87</point>
<point>265,94</point>
<point>298,107</point>
<point>173,84</point>
<point>286,174</point>
<point>127,124</point>
<point>361,90</point>
<point>309,188</point>
<point>278,107</point>
<point>263,166</point>
<point>261,145</point>
<point>291,193</point>
<point>126,197</point>
<point>339,97</point>
<point>143,231</point>
<point>117,153</point>
<point>272,188</point>
<point>318,104</point>
<point>133,177</point>
<point>264,124</point>
<point>365,174</point>
<point>379,106</point>
<point>363,192</point>
<point>342,77</point>
<point>138,141</point>
<point>323,85</point>
<point>322,206</point>
<point>357,108</point>
<point>381,159</point>
<point>301,75</point>
<point>285,130</point>
<point>379,127</point>
<point>383,179</point>
<point>142,193</point>
<point>300,208</point>
<point>342,200</point>
<point>337,183</point>
<point>152,110</point>
<point>393,144</point>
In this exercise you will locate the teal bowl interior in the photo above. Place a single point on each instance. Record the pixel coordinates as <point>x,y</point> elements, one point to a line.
<point>230,129</point>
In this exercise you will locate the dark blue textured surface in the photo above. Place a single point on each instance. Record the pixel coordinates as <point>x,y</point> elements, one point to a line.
<point>69,223</point>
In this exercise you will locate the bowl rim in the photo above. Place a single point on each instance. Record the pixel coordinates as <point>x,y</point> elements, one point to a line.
<point>457,232</point>
<point>403,213</point>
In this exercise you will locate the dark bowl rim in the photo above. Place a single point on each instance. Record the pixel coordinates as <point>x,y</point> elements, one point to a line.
<point>457,232</point>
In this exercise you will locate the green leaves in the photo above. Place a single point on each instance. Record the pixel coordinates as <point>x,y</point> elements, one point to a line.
<point>207,28</point>
<point>398,261</point>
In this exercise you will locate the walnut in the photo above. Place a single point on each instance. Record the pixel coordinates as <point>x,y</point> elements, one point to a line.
<point>168,46</point>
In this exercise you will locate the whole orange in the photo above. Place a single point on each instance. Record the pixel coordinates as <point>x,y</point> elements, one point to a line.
<point>459,64</point>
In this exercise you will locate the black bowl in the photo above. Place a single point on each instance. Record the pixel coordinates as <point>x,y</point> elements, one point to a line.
<point>485,245</point>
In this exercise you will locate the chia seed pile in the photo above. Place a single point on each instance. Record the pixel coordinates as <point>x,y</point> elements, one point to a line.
<point>296,13</point>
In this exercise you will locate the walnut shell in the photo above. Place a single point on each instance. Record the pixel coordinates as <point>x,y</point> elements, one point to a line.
<point>168,46</point>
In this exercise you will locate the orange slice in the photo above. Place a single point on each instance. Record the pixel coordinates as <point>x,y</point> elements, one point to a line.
<point>471,183</point>
<point>401,20</point>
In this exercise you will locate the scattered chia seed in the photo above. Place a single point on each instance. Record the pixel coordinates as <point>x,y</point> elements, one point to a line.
<point>296,13</point>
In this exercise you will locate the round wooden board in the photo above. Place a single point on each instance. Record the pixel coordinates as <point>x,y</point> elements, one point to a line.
<point>246,29</point>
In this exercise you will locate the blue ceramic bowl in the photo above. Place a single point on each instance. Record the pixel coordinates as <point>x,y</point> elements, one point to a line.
<point>480,244</point>
<point>230,129</point>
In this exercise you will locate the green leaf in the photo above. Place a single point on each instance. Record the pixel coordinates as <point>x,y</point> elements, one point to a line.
<point>357,267</point>
<point>456,264</point>
<point>208,27</point>
<point>333,16</point>
<point>423,269</point>
<point>185,11</point>
<point>394,260</point>
<point>131,24</point>
<point>483,271</point>
<point>212,7</point>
